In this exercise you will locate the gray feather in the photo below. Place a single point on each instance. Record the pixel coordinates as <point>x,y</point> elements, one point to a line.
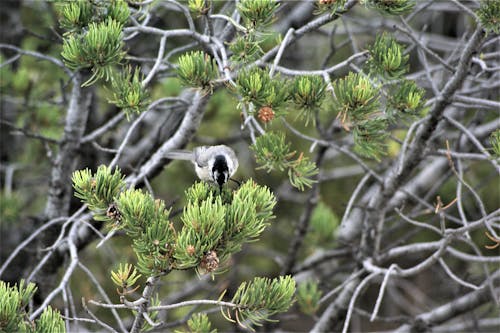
<point>180,155</point>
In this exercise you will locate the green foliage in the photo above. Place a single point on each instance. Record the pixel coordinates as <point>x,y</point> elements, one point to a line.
<point>202,191</point>
<point>301,171</point>
<point>308,92</point>
<point>125,277</point>
<point>324,223</point>
<point>247,216</point>
<point>495,143</point>
<point>128,92</point>
<point>215,226</point>
<point>257,87</point>
<point>357,101</point>
<point>118,10</point>
<point>257,13</point>
<point>146,221</point>
<point>76,15</point>
<point>13,316</point>
<point>199,323</point>
<point>155,246</point>
<point>308,296</point>
<point>273,153</point>
<point>12,307</point>
<point>370,136</point>
<point>405,98</point>
<point>50,321</point>
<point>356,98</point>
<point>198,7</point>
<point>99,49</point>
<point>143,219</point>
<point>98,191</point>
<point>245,49</point>
<point>137,209</point>
<point>391,7</point>
<point>489,15</point>
<point>202,230</point>
<point>332,6</point>
<point>197,69</point>
<point>387,58</point>
<point>261,298</point>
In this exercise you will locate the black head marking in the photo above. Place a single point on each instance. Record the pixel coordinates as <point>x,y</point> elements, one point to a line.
<point>220,170</point>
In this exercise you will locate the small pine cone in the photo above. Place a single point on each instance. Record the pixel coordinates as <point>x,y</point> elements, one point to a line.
<point>326,2</point>
<point>266,114</point>
<point>113,213</point>
<point>210,261</point>
<point>191,250</point>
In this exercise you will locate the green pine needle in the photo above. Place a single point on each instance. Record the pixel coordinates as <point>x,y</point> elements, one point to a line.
<point>489,15</point>
<point>331,6</point>
<point>100,190</point>
<point>257,87</point>
<point>199,323</point>
<point>387,58</point>
<point>128,92</point>
<point>245,49</point>
<point>198,7</point>
<point>356,98</point>
<point>197,69</point>
<point>99,49</point>
<point>324,224</point>
<point>262,298</point>
<point>13,316</point>
<point>370,136</point>
<point>50,321</point>
<point>257,13</point>
<point>125,277</point>
<point>405,98</point>
<point>495,143</point>
<point>75,15</point>
<point>308,296</point>
<point>273,153</point>
<point>307,93</point>
<point>391,7</point>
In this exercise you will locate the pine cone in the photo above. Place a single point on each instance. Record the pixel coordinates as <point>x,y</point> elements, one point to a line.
<point>210,261</point>
<point>266,114</point>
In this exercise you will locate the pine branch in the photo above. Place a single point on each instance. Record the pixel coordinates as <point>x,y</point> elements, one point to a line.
<point>303,224</point>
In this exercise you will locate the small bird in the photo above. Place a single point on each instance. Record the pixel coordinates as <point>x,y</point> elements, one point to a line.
<point>215,164</point>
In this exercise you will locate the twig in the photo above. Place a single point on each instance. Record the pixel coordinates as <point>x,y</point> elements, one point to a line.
<point>283,45</point>
<point>381,292</point>
<point>357,291</point>
<point>29,134</point>
<point>114,162</point>
<point>456,278</point>
<point>152,72</point>
<point>28,240</point>
<point>303,224</point>
<point>38,55</point>
<point>73,251</point>
<point>104,295</point>
<point>194,302</point>
<point>97,320</point>
<point>354,195</point>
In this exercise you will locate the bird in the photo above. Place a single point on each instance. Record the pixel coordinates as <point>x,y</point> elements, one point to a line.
<point>215,164</point>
